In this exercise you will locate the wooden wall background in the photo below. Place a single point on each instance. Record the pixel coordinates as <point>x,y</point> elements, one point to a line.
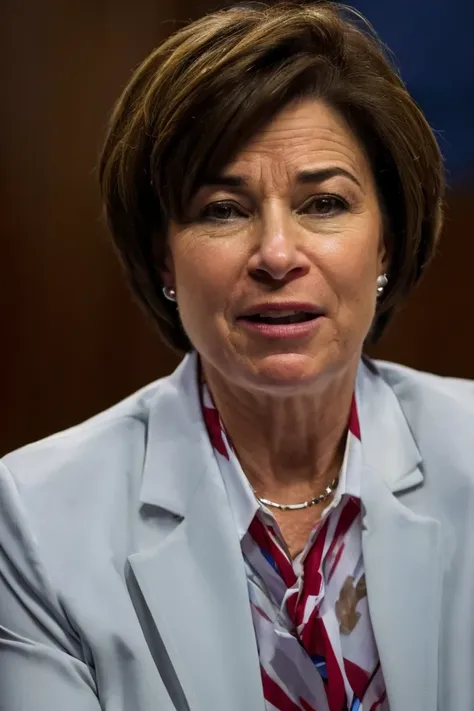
<point>72,340</point>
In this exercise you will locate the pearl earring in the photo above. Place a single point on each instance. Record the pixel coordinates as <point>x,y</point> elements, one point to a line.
<point>382,282</point>
<point>169,293</point>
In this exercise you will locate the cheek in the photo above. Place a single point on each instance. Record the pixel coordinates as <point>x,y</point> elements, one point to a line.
<point>353,271</point>
<point>204,273</point>
<point>204,269</point>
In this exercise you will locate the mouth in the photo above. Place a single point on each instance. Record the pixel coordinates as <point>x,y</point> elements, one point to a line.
<point>281,321</point>
<point>280,318</point>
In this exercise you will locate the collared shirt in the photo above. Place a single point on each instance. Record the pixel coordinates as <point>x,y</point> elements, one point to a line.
<point>313,631</point>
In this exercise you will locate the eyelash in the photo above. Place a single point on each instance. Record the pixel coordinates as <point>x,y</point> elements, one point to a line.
<point>341,205</point>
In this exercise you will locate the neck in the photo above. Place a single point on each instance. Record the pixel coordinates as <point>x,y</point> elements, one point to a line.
<point>290,447</point>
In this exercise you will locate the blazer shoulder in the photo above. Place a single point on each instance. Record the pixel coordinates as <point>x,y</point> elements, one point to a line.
<point>439,409</point>
<point>429,386</point>
<point>76,494</point>
<point>84,454</point>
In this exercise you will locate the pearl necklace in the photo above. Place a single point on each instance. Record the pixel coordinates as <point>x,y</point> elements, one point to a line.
<point>306,504</point>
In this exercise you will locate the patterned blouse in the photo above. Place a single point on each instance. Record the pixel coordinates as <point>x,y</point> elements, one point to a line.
<point>314,635</point>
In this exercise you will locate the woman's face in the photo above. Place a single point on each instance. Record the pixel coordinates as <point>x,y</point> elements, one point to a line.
<point>276,273</point>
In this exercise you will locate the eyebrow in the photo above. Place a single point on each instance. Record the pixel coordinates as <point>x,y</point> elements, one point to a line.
<point>303,178</point>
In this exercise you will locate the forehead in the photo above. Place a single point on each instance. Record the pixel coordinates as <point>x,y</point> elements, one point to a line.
<point>303,134</point>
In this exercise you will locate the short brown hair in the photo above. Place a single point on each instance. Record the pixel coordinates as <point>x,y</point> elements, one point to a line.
<point>201,95</point>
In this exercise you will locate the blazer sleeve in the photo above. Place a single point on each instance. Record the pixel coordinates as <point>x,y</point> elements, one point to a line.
<point>41,661</point>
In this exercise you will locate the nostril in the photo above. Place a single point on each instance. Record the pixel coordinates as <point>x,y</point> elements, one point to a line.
<point>272,276</point>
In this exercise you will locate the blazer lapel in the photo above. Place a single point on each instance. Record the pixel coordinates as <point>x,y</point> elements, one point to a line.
<point>402,552</point>
<point>193,596</point>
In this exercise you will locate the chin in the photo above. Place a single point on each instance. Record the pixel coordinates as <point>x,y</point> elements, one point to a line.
<point>284,372</point>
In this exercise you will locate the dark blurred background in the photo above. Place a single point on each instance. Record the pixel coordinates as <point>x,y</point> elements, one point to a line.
<point>72,339</point>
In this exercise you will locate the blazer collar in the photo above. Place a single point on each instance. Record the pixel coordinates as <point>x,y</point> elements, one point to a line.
<point>387,441</point>
<point>403,550</point>
<point>188,580</point>
<point>175,428</point>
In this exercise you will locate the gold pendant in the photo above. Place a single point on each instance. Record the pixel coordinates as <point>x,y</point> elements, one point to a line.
<point>347,603</point>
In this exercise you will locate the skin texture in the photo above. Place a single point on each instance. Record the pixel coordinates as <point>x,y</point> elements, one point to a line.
<point>285,403</point>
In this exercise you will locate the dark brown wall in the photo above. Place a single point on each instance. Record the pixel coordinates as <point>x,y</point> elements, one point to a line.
<point>435,329</point>
<point>72,341</point>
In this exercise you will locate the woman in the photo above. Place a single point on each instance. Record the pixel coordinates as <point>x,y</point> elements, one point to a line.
<point>281,523</point>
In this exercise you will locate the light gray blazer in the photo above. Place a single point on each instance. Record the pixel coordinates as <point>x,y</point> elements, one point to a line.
<point>122,585</point>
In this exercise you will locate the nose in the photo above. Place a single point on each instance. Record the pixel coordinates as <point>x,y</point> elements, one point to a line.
<point>278,257</point>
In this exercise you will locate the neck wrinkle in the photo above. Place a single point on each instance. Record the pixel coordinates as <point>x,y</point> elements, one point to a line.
<point>290,448</point>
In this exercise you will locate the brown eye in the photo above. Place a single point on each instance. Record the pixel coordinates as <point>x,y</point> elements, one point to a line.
<point>325,205</point>
<point>221,212</point>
